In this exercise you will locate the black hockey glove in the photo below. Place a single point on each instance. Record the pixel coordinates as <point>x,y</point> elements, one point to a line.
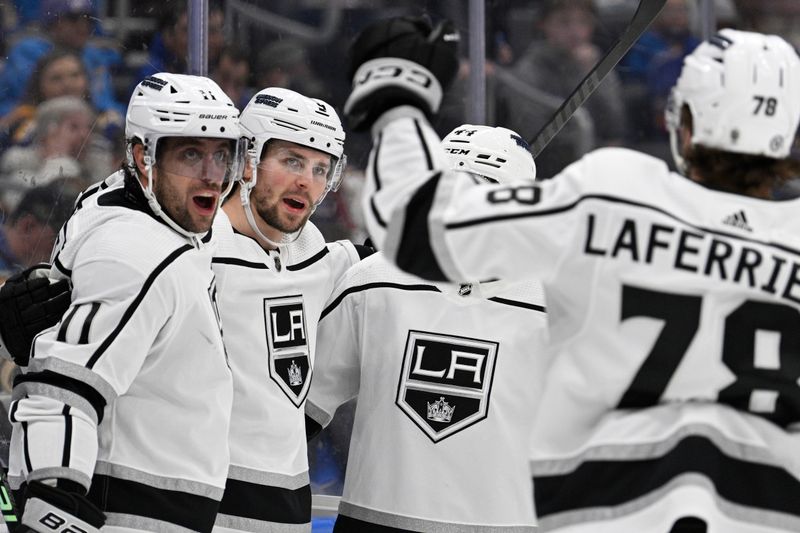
<point>29,303</point>
<point>48,509</point>
<point>400,61</point>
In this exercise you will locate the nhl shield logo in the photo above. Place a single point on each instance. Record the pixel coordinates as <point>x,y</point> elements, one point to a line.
<point>287,343</point>
<point>445,382</point>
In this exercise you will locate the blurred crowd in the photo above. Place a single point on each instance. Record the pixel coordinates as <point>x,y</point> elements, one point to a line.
<point>67,69</point>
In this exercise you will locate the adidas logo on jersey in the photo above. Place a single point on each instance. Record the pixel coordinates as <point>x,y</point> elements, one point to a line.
<point>738,220</point>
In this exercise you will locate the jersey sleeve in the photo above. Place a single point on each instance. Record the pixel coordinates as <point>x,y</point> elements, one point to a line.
<point>337,359</point>
<point>447,225</point>
<point>82,364</point>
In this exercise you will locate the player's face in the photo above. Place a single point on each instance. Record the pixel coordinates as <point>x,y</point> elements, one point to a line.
<point>291,179</point>
<point>188,179</point>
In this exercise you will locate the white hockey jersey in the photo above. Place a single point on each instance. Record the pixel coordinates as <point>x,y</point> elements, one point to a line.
<point>675,312</point>
<point>130,394</point>
<point>447,378</point>
<point>270,303</point>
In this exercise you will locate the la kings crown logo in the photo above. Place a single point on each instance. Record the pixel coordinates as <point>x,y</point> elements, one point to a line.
<point>287,343</point>
<point>445,382</point>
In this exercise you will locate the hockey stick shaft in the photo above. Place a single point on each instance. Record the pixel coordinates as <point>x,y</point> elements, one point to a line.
<point>645,14</point>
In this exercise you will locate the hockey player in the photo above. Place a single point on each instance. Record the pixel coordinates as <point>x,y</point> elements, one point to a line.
<point>275,273</point>
<point>673,300</point>
<point>447,376</point>
<point>129,396</point>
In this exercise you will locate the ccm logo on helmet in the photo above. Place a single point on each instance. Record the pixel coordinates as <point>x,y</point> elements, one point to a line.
<point>457,151</point>
<point>213,117</point>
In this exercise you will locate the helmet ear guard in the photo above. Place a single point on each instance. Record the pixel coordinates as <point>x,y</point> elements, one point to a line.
<point>741,89</point>
<point>496,153</point>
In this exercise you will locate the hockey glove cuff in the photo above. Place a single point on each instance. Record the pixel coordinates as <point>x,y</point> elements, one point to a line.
<point>29,303</point>
<point>388,82</point>
<point>49,509</point>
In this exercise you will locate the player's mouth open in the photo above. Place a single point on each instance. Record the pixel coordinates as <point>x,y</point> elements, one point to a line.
<point>294,204</point>
<point>205,202</point>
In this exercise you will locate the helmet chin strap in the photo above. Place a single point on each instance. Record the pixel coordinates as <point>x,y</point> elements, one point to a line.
<point>680,162</point>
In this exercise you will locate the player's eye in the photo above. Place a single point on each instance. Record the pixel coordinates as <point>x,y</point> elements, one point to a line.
<point>222,157</point>
<point>321,171</point>
<point>191,155</point>
<point>293,164</point>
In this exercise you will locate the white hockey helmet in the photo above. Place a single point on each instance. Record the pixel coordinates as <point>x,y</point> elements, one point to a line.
<point>179,105</point>
<point>499,154</point>
<point>278,113</point>
<point>742,90</point>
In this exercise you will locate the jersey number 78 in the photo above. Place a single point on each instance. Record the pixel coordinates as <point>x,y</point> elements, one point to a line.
<point>776,387</point>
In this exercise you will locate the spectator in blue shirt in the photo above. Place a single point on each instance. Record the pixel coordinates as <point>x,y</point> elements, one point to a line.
<point>65,24</point>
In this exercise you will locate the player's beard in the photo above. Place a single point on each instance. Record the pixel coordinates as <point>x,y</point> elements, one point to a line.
<point>272,214</point>
<point>174,203</point>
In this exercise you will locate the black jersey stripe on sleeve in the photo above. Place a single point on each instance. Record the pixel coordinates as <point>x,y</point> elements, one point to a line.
<point>599,483</point>
<point>310,261</point>
<point>375,150</point>
<point>26,448</point>
<point>67,436</point>
<point>428,158</point>
<point>377,285</point>
<point>61,268</point>
<point>126,316</point>
<point>82,389</point>
<point>375,213</point>
<point>517,303</point>
<point>87,324</point>
<point>415,253</point>
<point>235,261</point>
<point>62,331</point>
<point>127,497</point>
<point>266,503</point>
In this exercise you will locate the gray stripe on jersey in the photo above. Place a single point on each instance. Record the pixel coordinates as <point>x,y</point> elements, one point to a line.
<point>419,524</point>
<point>32,388</point>
<point>649,450</point>
<point>79,372</point>
<point>737,512</point>
<point>142,523</point>
<point>237,523</point>
<point>159,482</point>
<point>61,472</point>
<point>317,414</point>
<point>273,479</point>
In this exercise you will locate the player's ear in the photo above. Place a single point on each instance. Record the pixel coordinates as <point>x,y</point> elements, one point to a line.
<point>685,137</point>
<point>247,172</point>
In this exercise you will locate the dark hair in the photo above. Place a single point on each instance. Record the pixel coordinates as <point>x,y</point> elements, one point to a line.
<point>738,173</point>
<point>49,204</point>
<point>33,92</point>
